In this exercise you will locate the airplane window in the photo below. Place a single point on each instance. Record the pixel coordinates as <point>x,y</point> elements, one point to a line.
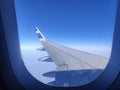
<point>74,40</point>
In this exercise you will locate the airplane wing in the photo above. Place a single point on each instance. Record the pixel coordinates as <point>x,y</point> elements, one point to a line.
<point>67,58</point>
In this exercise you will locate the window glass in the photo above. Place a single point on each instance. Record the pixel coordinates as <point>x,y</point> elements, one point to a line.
<point>78,42</point>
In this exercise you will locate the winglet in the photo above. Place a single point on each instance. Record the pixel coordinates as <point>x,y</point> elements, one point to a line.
<point>39,33</point>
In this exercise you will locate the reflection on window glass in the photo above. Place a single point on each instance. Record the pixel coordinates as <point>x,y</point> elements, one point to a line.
<point>74,39</point>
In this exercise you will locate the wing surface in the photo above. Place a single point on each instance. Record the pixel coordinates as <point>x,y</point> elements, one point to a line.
<point>67,58</point>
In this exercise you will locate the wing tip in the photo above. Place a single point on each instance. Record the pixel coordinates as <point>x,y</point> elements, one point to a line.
<point>39,32</point>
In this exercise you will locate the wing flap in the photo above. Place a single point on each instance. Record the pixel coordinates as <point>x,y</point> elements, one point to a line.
<point>46,59</point>
<point>41,49</point>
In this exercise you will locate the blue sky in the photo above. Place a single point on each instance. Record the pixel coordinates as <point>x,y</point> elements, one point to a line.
<point>66,21</point>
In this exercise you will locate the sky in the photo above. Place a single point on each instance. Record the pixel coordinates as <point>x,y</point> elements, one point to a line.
<point>72,22</point>
<point>82,24</point>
